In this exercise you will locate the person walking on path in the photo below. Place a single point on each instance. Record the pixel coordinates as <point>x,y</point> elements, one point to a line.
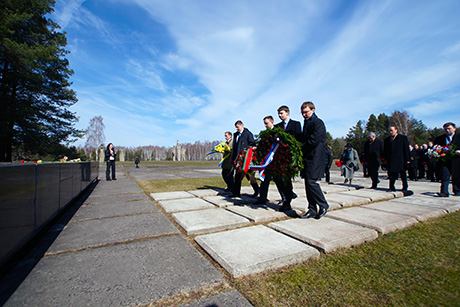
<point>137,161</point>
<point>313,140</point>
<point>264,186</point>
<point>242,138</point>
<point>373,153</point>
<point>110,156</point>
<point>294,128</point>
<point>451,167</point>
<point>396,154</point>
<point>350,163</point>
<point>227,165</point>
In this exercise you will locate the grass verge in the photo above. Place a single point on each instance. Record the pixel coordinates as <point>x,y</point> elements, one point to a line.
<point>419,266</point>
<point>185,184</point>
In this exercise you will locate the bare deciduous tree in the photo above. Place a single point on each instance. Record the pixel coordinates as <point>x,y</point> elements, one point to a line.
<point>95,134</point>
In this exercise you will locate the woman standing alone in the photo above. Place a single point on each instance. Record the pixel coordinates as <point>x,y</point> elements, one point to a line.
<point>110,159</point>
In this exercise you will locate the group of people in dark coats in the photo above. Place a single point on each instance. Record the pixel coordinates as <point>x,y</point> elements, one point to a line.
<point>313,139</point>
<point>398,157</point>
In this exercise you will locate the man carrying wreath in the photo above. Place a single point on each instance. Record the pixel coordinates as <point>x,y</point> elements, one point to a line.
<point>313,140</point>
<point>242,138</point>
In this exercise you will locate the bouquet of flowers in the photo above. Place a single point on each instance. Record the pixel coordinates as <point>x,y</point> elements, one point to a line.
<point>339,163</point>
<point>286,150</point>
<point>220,148</point>
<point>442,153</point>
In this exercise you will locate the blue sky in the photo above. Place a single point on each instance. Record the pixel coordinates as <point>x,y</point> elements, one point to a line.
<point>160,71</point>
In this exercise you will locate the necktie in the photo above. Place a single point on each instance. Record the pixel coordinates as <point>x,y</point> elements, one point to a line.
<point>285,125</point>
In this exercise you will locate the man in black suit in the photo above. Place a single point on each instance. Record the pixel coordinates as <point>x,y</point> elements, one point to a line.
<point>451,167</point>
<point>396,153</point>
<point>264,186</point>
<point>242,138</point>
<point>293,128</point>
<point>373,152</point>
<point>313,140</point>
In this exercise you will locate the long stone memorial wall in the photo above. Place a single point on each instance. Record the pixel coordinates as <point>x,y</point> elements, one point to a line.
<point>32,194</point>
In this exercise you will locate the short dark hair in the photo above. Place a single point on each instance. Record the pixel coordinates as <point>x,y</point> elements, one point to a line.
<point>239,122</point>
<point>307,104</point>
<point>283,108</point>
<point>269,117</point>
<point>449,124</point>
<point>228,132</point>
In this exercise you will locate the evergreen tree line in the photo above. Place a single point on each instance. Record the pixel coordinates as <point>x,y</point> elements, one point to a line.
<point>416,131</point>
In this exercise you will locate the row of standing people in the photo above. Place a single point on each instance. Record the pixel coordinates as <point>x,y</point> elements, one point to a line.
<point>313,139</point>
<point>395,154</point>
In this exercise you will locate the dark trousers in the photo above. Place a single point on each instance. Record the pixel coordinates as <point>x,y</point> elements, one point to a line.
<point>421,169</point>
<point>373,170</point>
<point>237,183</point>
<point>266,184</point>
<point>394,176</point>
<point>227,175</point>
<point>315,195</point>
<point>110,166</point>
<point>445,171</point>
<point>412,173</point>
<point>327,172</point>
<point>430,173</point>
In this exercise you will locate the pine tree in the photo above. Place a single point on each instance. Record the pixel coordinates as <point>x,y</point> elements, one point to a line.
<point>35,90</point>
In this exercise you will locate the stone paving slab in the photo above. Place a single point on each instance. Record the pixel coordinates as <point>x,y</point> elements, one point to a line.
<point>210,220</point>
<point>383,222</point>
<point>223,201</point>
<point>115,184</point>
<point>257,213</point>
<point>254,249</point>
<point>333,188</point>
<point>115,209</point>
<point>119,190</point>
<point>171,195</point>
<point>227,299</point>
<point>185,204</point>
<point>121,275</point>
<point>370,194</point>
<point>205,192</point>
<point>347,200</point>
<point>301,204</point>
<point>91,233</point>
<point>421,213</point>
<point>448,204</point>
<point>326,234</point>
<point>120,198</point>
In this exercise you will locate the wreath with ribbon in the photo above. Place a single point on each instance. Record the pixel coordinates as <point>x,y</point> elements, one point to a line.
<point>276,151</point>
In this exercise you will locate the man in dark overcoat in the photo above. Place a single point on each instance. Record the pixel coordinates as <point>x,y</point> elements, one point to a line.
<point>242,138</point>
<point>313,140</point>
<point>396,153</point>
<point>293,128</point>
<point>373,153</point>
<point>450,167</point>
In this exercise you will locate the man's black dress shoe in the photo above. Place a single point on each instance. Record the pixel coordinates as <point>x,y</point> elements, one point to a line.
<point>442,194</point>
<point>308,215</point>
<point>234,195</point>
<point>260,202</point>
<point>285,207</point>
<point>456,194</point>
<point>322,212</point>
